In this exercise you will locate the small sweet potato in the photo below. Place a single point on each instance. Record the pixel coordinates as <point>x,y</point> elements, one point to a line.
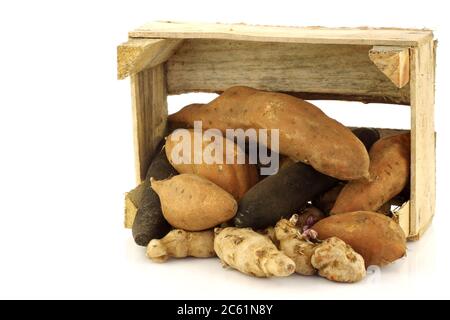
<point>306,133</point>
<point>193,203</point>
<point>374,236</point>
<point>389,173</point>
<point>234,178</point>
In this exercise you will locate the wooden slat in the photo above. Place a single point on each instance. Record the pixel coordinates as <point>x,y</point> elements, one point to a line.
<point>423,165</point>
<point>385,132</point>
<point>138,54</point>
<point>342,71</point>
<point>149,100</point>
<point>393,62</point>
<point>358,36</point>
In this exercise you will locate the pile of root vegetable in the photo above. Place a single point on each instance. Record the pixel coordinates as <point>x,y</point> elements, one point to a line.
<point>323,213</point>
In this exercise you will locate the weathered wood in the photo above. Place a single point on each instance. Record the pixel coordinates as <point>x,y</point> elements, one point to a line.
<point>402,216</point>
<point>415,237</point>
<point>138,54</point>
<point>347,97</point>
<point>338,70</point>
<point>385,132</point>
<point>149,100</point>
<point>130,212</point>
<point>132,200</point>
<point>423,165</point>
<point>359,36</point>
<point>312,63</point>
<point>393,62</point>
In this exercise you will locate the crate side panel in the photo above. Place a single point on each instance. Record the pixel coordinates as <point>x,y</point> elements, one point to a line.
<point>342,71</point>
<point>423,153</point>
<point>149,101</point>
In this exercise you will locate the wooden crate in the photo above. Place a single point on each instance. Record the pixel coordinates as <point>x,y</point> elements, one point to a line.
<point>394,66</point>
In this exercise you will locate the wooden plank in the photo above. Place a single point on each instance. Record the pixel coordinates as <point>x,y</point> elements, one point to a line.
<point>422,230</point>
<point>342,71</point>
<point>138,54</point>
<point>357,36</point>
<point>385,132</point>
<point>347,97</point>
<point>423,156</point>
<point>149,100</point>
<point>393,62</point>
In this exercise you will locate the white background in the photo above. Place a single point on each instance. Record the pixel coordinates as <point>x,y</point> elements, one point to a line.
<point>66,153</point>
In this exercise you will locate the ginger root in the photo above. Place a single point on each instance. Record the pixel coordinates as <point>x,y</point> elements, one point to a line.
<point>251,253</point>
<point>337,261</point>
<point>295,246</point>
<point>180,244</point>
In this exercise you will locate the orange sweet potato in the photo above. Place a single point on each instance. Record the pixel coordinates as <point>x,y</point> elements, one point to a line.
<point>389,173</point>
<point>193,203</point>
<point>306,134</point>
<point>379,239</point>
<point>234,178</point>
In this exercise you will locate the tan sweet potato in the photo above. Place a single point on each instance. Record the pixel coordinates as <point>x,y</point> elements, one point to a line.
<point>389,174</point>
<point>306,134</point>
<point>193,203</point>
<point>234,178</point>
<point>374,236</point>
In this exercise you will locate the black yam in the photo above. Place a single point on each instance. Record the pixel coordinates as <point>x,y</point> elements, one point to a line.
<point>149,222</point>
<point>280,195</point>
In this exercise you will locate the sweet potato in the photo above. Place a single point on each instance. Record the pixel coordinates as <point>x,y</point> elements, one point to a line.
<point>306,134</point>
<point>234,178</point>
<point>193,203</point>
<point>149,222</point>
<point>389,174</point>
<point>374,236</point>
<point>280,195</point>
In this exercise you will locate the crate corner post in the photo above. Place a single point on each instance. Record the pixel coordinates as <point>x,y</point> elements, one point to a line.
<point>143,60</point>
<point>423,153</point>
<point>149,103</point>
